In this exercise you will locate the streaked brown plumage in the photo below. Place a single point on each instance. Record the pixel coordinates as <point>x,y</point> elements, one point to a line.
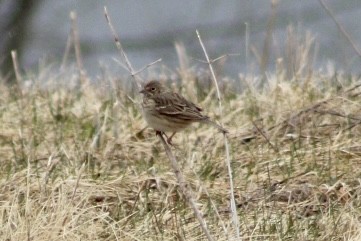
<point>166,111</point>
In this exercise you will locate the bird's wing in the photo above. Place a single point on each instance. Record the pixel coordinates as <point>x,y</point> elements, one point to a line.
<point>173,104</point>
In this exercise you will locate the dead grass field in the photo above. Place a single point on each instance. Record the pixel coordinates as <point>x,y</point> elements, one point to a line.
<point>75,164</point>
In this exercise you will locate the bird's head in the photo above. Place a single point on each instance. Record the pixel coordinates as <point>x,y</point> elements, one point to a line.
<point>152,88</point>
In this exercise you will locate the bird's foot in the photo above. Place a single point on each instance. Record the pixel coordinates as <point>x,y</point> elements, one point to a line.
<point>168,139</point>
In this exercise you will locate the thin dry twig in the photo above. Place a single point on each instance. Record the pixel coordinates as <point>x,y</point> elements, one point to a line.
<point>301,112</point>
<point>212,72</point>
<point>128,66</point>
<point>216,59</point>
<point>265,137</point>
<point>315,107</point>
<point>228,158</point>
<point>183,186</point>
<point>120,47</point>
<point>353,88</point>
<point>341,28</point>
<point>212,203</point>
<point>147,66</point>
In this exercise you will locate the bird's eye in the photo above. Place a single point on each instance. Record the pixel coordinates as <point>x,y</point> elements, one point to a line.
<point>153,89</point>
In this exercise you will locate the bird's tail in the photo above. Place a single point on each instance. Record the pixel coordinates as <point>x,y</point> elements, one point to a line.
<point>220,128</point>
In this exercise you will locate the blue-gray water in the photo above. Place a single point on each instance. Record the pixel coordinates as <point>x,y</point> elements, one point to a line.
<point>149,29</point>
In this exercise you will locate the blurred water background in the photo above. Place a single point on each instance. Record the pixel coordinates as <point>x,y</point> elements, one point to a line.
<point>149,30</point>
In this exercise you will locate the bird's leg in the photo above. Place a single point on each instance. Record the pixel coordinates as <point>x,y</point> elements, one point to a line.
<point>160,133</point>
<point>169,139</point>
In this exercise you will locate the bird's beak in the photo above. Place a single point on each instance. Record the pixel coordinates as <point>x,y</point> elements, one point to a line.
<point>142,91</point>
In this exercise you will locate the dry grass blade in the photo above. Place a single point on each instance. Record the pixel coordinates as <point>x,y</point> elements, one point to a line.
<point>14,57</point>
<point>66,51</point>
<point>268,39</point>
<point>76,41</point>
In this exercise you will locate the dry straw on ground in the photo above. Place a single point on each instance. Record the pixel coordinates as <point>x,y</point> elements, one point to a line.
<point>74,166</point>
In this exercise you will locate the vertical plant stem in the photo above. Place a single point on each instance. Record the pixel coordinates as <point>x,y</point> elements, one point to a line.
<point>228,158</point>
<point>76,41</point>
<point>14,57</point>
<point>183,186</point>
